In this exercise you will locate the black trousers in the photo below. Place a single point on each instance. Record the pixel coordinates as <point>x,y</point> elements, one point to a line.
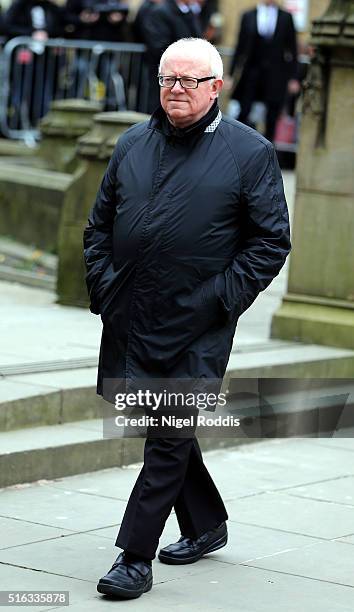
<point>173,476</point>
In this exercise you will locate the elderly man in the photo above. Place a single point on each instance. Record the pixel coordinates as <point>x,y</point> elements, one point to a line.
<point>189,225</point>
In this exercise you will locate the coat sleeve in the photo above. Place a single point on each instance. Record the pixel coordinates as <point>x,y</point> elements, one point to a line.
<point>267,235</point>
<point>98,252</point>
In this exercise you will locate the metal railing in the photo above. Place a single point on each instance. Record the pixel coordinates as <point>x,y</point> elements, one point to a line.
<point>33,74</point>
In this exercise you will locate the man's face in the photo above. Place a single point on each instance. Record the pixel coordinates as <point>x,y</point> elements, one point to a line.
<point>186,106</point>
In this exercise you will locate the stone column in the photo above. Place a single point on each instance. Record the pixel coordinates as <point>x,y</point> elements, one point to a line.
<point>65,122</point>
<point>319,304</point>
<point>94,152</point>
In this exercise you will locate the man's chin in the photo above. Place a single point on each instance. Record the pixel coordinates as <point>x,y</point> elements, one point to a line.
<point>177,115</point>
<point>178,111</point>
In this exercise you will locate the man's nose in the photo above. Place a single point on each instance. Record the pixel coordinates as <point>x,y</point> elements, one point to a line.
<point>177,87</point>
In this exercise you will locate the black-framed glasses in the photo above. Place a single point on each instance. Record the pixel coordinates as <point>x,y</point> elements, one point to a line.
<point>185,81</point>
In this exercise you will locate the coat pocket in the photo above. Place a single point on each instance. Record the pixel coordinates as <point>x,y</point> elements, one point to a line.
<point>113,289</point>
<point>100,289</point>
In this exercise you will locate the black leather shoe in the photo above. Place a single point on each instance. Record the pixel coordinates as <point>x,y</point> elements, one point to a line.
<point>127,579</point>
<point>187,550</point>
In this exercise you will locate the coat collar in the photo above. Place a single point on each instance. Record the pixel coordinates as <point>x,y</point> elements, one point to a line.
<point>208,123</point>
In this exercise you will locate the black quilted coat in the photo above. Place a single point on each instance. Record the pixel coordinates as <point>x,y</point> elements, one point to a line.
<point>187,228</point>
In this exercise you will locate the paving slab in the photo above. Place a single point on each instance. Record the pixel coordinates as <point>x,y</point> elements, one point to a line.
<point>15,578</point>
<point>96,555</point>
<point>223,588</point>
<point>279,464</point>
<point>16,532</point>
<point>296,515</point>
<point>246,543</point>
<point>219,586</point>
<point>112,483</point>
<point>339,442</point>
<point>285,552</point>
<point>338,490</point>
<point>63,331</point>
<point>236,587</point>
<point>70,510</point>
<point>328,561</point>
<point>348,539</point>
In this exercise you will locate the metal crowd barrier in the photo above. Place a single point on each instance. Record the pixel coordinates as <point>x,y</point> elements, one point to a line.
<point>33,74</point>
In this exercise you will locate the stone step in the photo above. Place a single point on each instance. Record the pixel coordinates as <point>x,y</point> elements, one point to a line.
<point>37,367</point>
<point>27,265</point>
<point>62,450</point>
<point>17,251</point>
<point>52,426</point>
<point>292,360</point>
<point>52,393</point>
<point>13,274</point>
<point>48,398</point>
<point>55,451</point>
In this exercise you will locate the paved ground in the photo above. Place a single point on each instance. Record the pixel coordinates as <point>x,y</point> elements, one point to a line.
<point>291,534</point>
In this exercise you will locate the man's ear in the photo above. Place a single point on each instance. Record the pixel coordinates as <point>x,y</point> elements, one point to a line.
<point>216,87</point>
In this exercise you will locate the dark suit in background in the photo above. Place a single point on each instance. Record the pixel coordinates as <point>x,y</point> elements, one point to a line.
<point>164,24</point>
<point>140,30</point>
<point>19,19</point>
<point>262,66</point>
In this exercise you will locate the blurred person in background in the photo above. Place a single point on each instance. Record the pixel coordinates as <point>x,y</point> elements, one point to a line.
<point>147,96</point>
<point>41,19</point>
<point>169,21</point>
<point>105,21</point>
<point>264,66</point>
<point>33,85</point>
<point>165,23</point>
<point>211,20</point>
<point>206,10</point>
<point>141,31</point>
<point>3,29</point>
<point>146,88</point>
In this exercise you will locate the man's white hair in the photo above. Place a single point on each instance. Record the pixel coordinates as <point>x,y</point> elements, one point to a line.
<point>195,47</point>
